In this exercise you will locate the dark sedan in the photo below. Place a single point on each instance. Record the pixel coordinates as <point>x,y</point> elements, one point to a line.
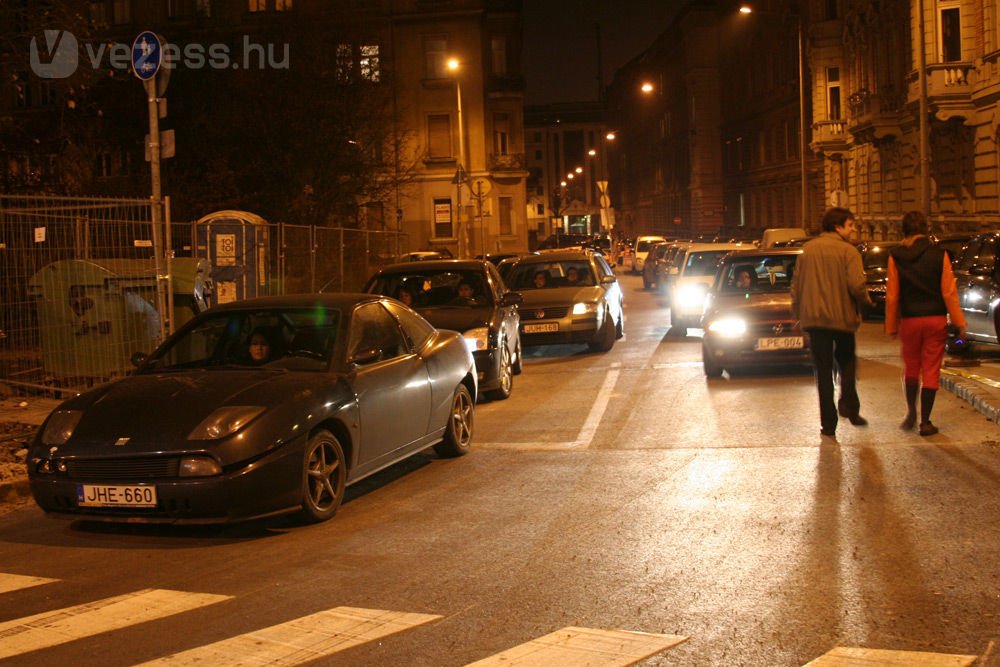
<point>875,255</point>
<point>258,408</point>
<point>467,296</point>
<point>748,317</point>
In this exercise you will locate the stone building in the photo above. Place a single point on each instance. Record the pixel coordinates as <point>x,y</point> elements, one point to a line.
<point>724,127</point>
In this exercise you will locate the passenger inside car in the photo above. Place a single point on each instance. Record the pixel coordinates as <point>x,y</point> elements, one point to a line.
<point>541,279</point>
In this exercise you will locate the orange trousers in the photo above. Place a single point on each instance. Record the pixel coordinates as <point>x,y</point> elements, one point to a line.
<point>923,340</point>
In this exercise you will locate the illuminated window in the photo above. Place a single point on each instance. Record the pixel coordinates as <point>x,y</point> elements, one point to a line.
<point>833,93</point>
<point>369,62</point>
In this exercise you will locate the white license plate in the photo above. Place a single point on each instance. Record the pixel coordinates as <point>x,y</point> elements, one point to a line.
<point>541,328</point>
<point>104,495</point>
<point>783,343</point>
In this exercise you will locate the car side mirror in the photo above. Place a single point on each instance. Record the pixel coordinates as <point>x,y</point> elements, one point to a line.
<point>365,356</point>
<point>608,280</point>
<point>511,299</point>
<point>138,359</point>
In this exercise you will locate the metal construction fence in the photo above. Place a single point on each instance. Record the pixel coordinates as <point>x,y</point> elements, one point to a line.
<point>85,283</point>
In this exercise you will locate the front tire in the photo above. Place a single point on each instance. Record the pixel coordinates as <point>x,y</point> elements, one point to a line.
<point>505,375</point>
<point>458,431</point>
<point>605,339</point>
<point>324,477</point>
<point>712,369</point>
<point>517,358</point>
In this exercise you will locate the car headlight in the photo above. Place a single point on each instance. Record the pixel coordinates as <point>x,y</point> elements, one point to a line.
<point>199,466</point>
<point>691,297</point>
<point>224,421</point>
<point>477,339</point>
<point>60,425</point>
<point>728,327</point>
<point>584,308</point>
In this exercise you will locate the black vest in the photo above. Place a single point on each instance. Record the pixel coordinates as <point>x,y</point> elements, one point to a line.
<point>919,267</point>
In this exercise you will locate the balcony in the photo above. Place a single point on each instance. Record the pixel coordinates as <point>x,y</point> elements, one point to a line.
<point>949,90</point>
<point>830,137</point>
<point>507,164</point>
<point>875,116</point>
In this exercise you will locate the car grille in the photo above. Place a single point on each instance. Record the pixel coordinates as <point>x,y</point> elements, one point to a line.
<point>774,328</point>
<point>554,313</point>
<point>123,469</point>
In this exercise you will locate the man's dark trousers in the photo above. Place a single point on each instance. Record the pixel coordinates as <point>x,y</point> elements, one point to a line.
<point>829,345</point>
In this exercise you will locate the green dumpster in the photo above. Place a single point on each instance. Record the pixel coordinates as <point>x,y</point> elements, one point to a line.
<point>94,314</point>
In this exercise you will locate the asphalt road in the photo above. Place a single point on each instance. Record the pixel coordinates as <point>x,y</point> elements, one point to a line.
<point>610,492</point>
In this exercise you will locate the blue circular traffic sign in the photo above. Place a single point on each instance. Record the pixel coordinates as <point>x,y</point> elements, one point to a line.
<point>147,55</point>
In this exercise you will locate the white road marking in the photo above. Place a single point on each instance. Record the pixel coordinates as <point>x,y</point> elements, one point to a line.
<point>843,656</point>
<point>586,434</point>
<point>303,639</point>
<point>64,625</point>
<point>14,582</point>
<point>584,646</point>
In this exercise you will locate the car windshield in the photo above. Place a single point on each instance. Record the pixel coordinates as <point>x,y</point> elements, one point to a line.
<point>548,275</point>
<point>276,339</point>
<point>760,273</point>
<point>439,288</point>
<point>703,263</point>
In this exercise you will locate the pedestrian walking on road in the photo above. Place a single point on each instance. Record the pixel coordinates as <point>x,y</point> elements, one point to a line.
<point>920,295</point>
<point>828,291</point>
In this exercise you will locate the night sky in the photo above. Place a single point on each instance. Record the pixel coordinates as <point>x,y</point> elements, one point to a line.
<point>560,43</point>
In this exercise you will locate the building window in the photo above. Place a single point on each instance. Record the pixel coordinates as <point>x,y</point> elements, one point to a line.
<point>369,63</point>
<point>282,5</point>
<point>439,136</point>
<point>505,204</point>
<point>436,54</point>
<point>501,133</point>
<point>443,228</point>
<point>104,164</point>
<point>833,93</point>
<point>539,209</point>
<point>499,51</point>
<point>121,12</point>
<point>344,63</point>
<point>538,154</point>
<point>951,33</point>
<point>98,13</point>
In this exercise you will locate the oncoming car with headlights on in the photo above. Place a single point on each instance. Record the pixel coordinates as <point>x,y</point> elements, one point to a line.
<point>258,408</point>
<point>569,296</point>
<point>748,318</point>
<point>696,268</point>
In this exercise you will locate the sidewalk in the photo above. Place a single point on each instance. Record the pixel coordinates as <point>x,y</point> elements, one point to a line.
<point>976,382</point>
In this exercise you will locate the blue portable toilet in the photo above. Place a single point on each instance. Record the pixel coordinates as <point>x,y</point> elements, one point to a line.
<point>237,245</point>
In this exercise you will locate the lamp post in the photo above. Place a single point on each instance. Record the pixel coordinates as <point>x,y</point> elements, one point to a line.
<point>463,232</point>
<point>803,172</point>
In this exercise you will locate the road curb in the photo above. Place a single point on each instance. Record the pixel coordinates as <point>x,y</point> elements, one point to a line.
<point>14,490</point>
<point>973,394</point>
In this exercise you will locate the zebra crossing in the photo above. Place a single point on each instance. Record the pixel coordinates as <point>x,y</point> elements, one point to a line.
<point>327,632</point>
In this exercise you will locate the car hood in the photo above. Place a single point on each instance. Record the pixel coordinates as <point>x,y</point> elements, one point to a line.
<point>559,296</point>
<point>157,411</point>
<point>758,307</point>
<point>457,318</point>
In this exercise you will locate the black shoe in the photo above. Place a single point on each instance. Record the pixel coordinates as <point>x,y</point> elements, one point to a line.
<point>927,428</point>
<point>858,420</point>
<point>832,432</point>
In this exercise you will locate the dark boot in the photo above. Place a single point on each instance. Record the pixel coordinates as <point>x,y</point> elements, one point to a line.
<point>912,388</point>
<point>927,397</point>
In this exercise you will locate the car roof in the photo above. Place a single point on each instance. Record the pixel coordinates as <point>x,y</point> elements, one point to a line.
<point>339,300</point>
<point>434,265</point>
<point>762,252</point>
<point>556,255</point>
<point>696,247</point>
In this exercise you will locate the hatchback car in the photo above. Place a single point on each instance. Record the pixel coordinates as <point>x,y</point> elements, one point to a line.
<point>643,244</point>
<point>656,254</point>
<point>571,296</point>
<point>258,408</point>
<point>748,318</point>
<point>696,267</point>
<point>468,296</point>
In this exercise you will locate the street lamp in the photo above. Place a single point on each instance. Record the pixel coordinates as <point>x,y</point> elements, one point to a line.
<point>454,66</point>
<point>746,9</point>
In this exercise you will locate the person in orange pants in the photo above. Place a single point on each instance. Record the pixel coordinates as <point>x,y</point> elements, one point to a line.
<point>920,296</point>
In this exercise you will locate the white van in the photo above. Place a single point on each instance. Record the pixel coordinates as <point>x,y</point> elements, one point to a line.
<point>642,246</point>
<point>774,235</point>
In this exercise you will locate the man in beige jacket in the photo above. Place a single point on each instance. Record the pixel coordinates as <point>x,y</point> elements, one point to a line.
<point>828,290</point>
